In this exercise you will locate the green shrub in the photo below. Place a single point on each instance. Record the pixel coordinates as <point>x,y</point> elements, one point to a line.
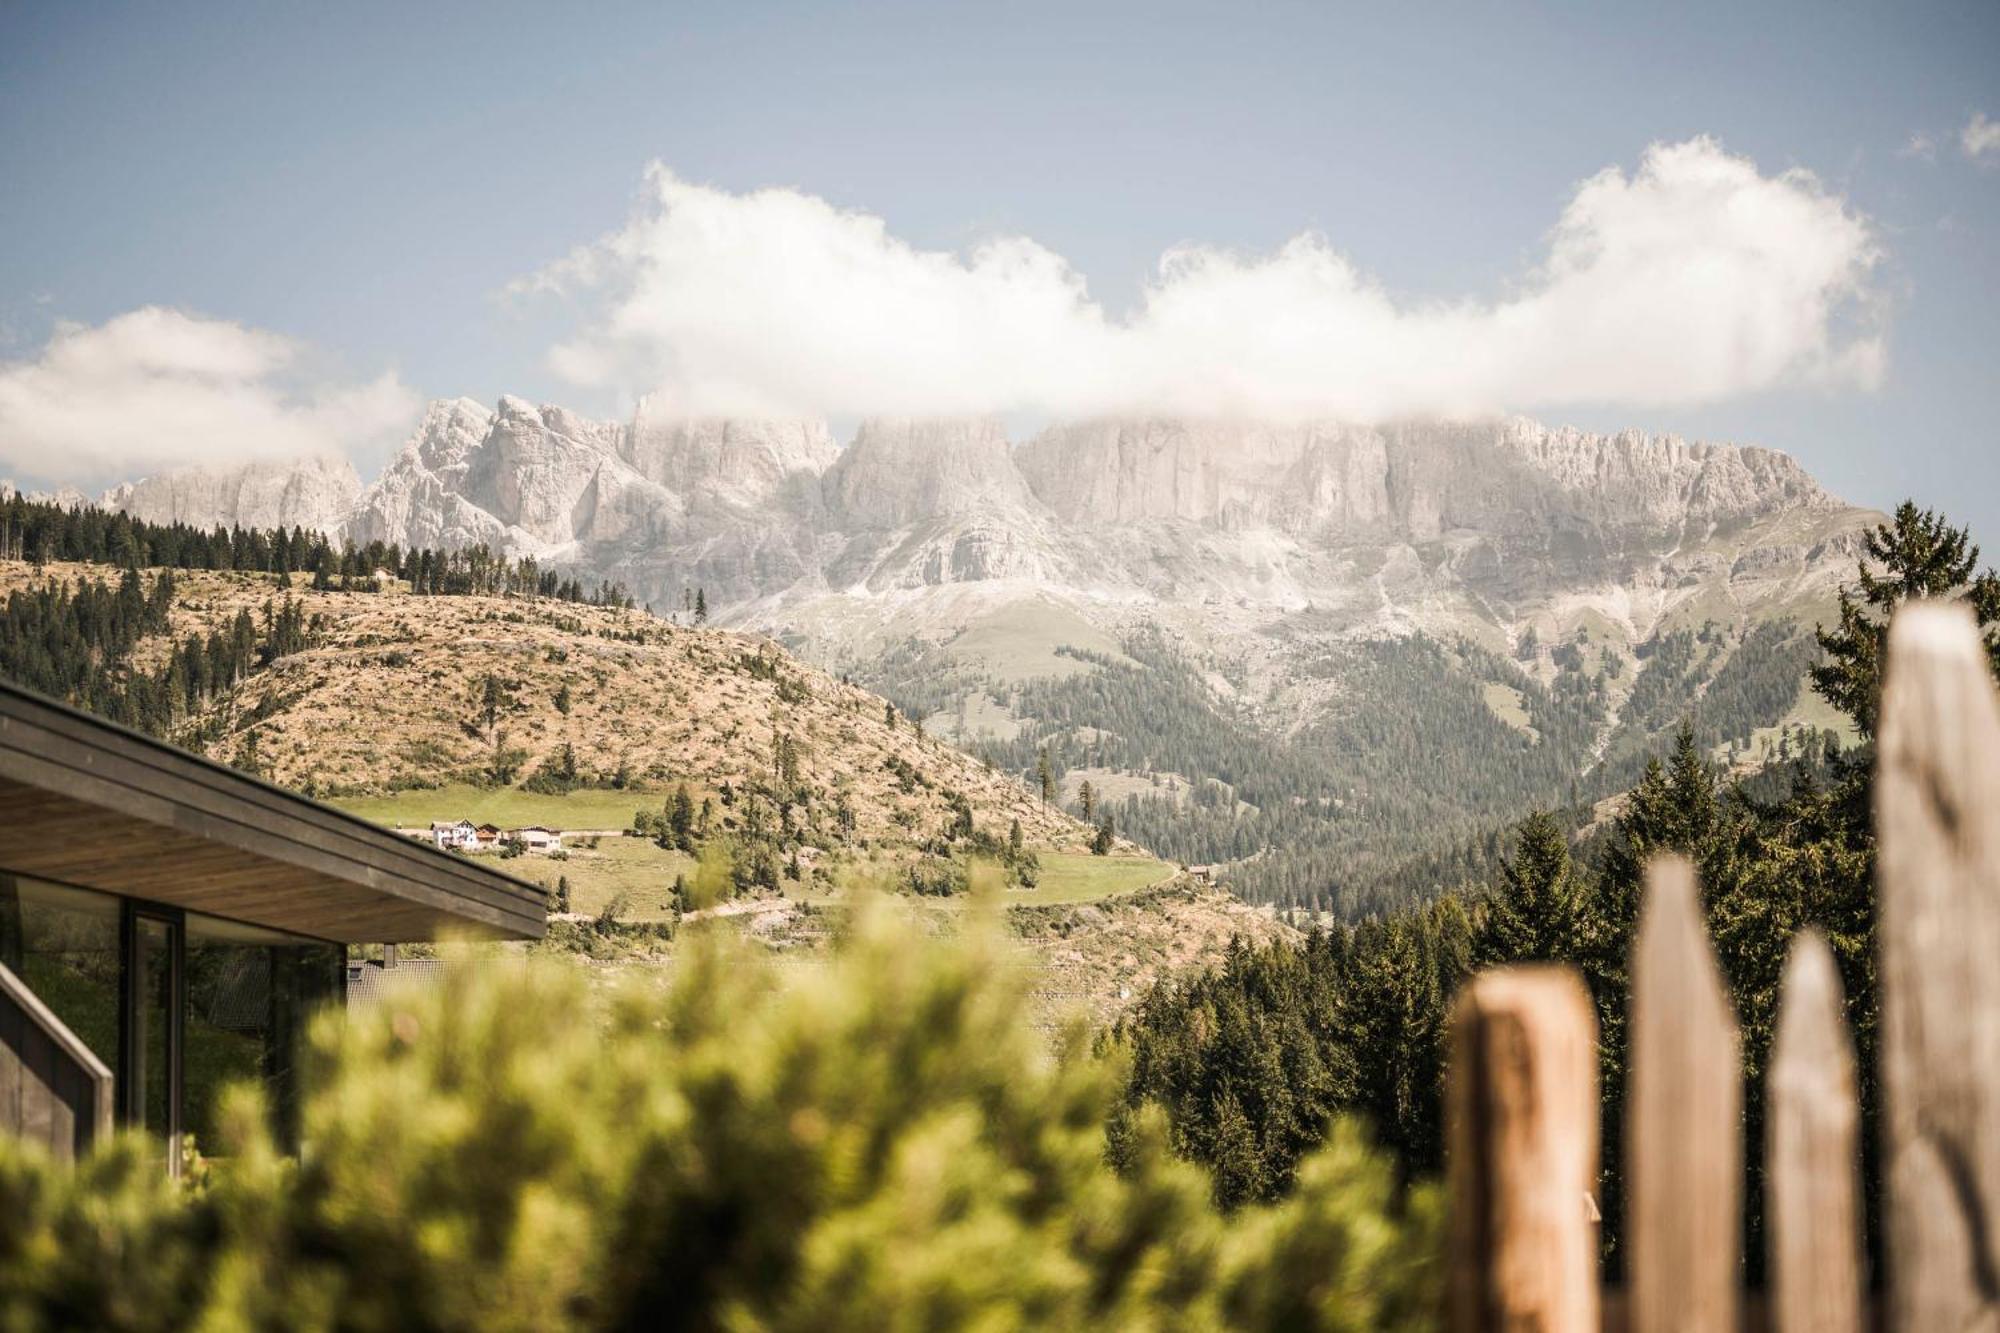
<point>886,1142</point>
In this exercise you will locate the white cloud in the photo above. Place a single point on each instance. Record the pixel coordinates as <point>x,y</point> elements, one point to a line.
<point>1980,137</point>
<point>1921,146</point>
<point>1694,278</point>
<point>157,388</point>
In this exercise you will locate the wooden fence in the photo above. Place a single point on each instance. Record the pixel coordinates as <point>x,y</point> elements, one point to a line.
<point>1523,1099</point>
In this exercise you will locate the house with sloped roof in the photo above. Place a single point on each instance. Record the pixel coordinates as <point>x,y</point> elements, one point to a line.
<point>458,835</point>
<point>168,924</point>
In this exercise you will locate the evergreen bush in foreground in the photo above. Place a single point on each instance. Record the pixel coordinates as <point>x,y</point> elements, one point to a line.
<point>885,1142</point>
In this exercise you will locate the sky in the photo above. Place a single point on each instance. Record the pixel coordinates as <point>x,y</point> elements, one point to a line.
<point>238,231</point>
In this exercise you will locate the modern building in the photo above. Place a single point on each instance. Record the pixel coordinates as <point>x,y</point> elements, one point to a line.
<point>167,924</point>
<point>535,838</point>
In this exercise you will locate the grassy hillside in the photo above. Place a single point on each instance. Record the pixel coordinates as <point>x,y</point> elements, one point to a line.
<point>387,712</point>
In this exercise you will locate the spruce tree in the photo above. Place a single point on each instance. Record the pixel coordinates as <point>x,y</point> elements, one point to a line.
<point>1917,554</point>
<point>680,818</point>
<point>1534,913</point>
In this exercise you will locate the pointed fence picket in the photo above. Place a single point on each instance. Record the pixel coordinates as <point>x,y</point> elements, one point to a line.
<point>1683,1147</point>
<point>1523,1146</point>
<point>1522,1105</point>
<point>1937,788</point>
<point>1812,1161</point>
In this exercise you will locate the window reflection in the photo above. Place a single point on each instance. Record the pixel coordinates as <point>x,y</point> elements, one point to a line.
<point>250,992</point>
<point>64,944</point>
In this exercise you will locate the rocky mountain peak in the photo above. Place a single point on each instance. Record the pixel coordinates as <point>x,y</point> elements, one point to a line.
<point>315,493</point>
<point>902,471</point>
<point>449,432</point>
<point>535,465</point>
<point>1634,478</point>
<point>723,464</point>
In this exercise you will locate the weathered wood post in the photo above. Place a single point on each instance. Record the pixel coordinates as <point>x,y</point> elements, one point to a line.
<point>1683,1147</point>
<point>1937,820</point>
<point>1812,1171</point>
<point>1522,1104</point>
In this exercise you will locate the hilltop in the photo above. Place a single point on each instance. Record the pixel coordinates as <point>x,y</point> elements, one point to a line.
<point>396,692</point>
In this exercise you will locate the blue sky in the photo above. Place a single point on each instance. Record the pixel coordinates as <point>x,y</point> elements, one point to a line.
<point>369,186</point>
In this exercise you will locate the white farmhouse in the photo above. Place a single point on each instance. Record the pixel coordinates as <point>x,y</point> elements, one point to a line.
<point>457,835</point>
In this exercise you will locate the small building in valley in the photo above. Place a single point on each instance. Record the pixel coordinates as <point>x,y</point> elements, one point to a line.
<point>535,838</point>
<point>456,835</point>
<point>489,837</point>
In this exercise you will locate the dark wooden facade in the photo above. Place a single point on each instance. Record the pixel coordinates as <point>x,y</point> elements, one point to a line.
<point>53,1089</point>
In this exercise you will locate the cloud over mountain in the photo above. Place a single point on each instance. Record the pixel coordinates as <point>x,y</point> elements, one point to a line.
<point>158,388</point>
<point>1694,278</point>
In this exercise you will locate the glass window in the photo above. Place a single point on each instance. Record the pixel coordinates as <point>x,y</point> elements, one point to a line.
<point>64,944</point>
<point>250,992</point>
<point>212,1001</point>
<point>150,1095</point>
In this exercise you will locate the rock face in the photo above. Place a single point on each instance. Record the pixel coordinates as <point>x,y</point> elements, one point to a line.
<point>727,467</point>
<point>1413,481</point>
<point>1250,539</point>
<point>927,503</point>
<point>315,493</point>
<point>1385,528</point>
<point>419,500</point>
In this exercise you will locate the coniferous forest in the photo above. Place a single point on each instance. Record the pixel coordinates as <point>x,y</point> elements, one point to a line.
<point>45,532</point>
<point>1408,786</point>
<point>1252,1058</point>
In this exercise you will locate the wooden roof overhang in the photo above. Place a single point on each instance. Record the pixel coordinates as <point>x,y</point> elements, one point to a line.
<point>89,803</point>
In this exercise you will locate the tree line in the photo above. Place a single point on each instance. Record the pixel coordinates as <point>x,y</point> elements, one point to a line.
<point>46,532</point>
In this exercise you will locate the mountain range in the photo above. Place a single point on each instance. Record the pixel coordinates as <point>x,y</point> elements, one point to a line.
<point>1324,652</point>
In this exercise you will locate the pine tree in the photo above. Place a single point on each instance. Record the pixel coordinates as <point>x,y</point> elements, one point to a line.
<point>1045,771</point>
<point>700,606</point>
<point>1102,843</point>
<point>1087,797</point>
<point>1919,555</point>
